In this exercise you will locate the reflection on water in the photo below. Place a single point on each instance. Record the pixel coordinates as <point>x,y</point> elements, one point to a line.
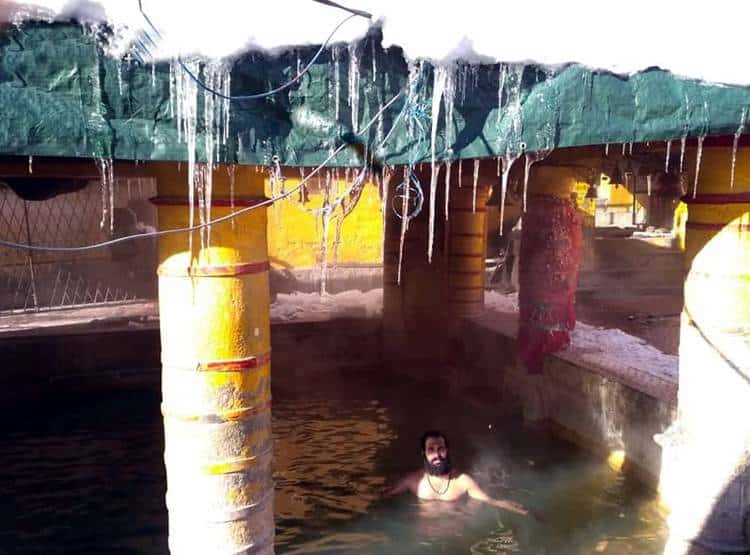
<point>86,476</point>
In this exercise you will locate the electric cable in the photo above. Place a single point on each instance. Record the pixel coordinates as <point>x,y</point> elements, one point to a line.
<point>145,39</point>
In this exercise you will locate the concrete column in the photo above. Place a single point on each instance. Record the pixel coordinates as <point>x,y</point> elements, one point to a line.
<point>215,336</point>
<point>705,477</point>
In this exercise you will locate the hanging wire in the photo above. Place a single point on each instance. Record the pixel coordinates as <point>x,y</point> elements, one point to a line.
<point>232,215</point>
<point>416,114</point>
<point>146,41</point>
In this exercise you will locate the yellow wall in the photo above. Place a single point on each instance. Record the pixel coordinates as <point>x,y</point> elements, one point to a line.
<point>295,235</point>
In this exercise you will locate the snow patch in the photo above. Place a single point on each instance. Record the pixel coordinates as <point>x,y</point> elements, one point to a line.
<point>313,307</point>
<point>609,348</point>
<point>625,38</point>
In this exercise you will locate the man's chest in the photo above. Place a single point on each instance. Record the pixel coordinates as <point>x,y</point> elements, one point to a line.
<point>435,488</point>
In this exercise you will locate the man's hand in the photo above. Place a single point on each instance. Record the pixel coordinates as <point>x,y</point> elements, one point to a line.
<point>475,492</point>
<point>509,506</point>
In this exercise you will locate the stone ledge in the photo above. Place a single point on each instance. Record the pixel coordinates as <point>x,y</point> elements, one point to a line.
<point>661,385</point>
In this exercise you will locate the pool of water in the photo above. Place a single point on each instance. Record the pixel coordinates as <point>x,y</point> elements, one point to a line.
<point>85,475</point>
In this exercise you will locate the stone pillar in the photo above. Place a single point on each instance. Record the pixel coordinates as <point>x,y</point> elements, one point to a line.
<point>551,244</point>
<point>550,237</point>
<point>705,477</point>
<point>412,309</point>
<point>215,336</point>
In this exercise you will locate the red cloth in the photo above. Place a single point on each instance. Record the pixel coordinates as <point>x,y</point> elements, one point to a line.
<point>551,240</point>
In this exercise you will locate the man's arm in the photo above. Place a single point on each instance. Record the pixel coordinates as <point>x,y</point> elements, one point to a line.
<point>404,484</point>
<point>475,492</point>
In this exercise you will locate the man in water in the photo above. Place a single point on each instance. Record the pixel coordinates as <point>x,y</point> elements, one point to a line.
<point>438,481</point>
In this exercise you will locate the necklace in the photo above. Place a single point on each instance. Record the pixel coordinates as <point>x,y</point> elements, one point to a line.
<point>447,485</point>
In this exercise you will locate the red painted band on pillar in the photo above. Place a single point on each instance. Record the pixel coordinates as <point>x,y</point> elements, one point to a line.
<point>235,365</point>
<point>220,201</point>
<point>718,198</point>
<point>719,227</point>
<point>221,270</point>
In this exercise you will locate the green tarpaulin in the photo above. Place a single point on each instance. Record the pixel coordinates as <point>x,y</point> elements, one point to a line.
<point>61,95</point>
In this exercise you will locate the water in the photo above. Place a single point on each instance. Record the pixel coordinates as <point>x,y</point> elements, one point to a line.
<point>87,476</point>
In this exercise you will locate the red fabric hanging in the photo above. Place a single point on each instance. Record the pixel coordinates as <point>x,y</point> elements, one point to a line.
<point>551,240</point>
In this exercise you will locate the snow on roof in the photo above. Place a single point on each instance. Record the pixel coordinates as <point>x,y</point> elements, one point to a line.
<point>623,37</point>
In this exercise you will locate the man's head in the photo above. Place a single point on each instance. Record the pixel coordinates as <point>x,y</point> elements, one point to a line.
<point>435,452</point>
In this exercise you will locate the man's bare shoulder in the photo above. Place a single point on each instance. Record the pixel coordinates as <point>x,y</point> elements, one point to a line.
<point>414,477</point>
<point>464,478</point>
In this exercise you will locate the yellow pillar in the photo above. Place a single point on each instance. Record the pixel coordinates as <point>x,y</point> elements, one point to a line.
<point>705,476</point>
<point>215,336</point>
<point>467,249</point>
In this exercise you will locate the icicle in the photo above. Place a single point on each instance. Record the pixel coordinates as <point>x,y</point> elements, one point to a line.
<point>735,144</point>
<point>531,159</point>
<point>324,259</point>
<point>384,205</point>
<point>514,103</point>
<point>374,62</point>
<point>683,143</point>
<point>31,164</point>
<point>106,173</point>
<point>500,87</point>
<point>460,171</point>
<point>476,183</point>
<point>499,162</point>
<point>354,85</point>
<point>666,158</point>
<point>449,99</point>
<point>508,161</point>
<point>119,80</point>
<point>336,80</point>
<point>380,131</point>
<point>438,88</point>
<point>698,156</point>
<point>464,80</point>
<point>447,186</point>
<point>404,221</point>
<point>153,75</point>
<point>231,170</point>
<point>648,184</point>
<point>302,184</point>
<point>624,146</point>
<point>630,149</point>
<point>216,130</point>
<point>606,149</point>
<point>186,97</point>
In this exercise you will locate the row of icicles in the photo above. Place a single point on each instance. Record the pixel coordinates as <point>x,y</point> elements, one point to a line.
<point>448,84</point>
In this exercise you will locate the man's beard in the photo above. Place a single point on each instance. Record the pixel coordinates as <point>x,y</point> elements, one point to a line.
<point>440,467</point>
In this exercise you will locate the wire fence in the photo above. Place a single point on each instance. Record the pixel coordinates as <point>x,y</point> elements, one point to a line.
<point>41,281</point>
